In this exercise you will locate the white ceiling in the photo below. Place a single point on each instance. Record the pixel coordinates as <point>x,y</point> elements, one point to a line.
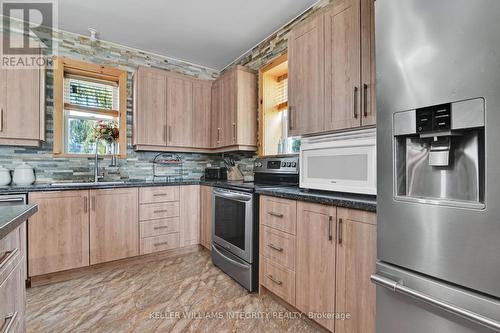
<point>211,33</point>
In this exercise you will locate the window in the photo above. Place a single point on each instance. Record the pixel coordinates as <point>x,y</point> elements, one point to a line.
<point>87,96</point>
<point>273,133</point>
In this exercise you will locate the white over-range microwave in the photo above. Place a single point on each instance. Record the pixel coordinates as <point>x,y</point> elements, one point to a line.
<point>341,162</point>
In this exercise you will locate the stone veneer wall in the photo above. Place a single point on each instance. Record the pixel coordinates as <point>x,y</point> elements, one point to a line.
<point>137,165</point>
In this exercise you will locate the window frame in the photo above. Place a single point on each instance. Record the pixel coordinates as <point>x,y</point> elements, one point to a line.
<point>92,71</point>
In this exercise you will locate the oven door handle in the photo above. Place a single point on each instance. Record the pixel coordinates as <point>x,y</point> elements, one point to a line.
<point>233,196</point>
<point>214,247</point>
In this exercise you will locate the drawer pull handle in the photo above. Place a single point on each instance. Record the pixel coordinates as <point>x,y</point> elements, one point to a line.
<point>160,195</point>
<point>276,214</point>
<point>278,282</point>
<point>8,255</point>
<point>159,244</point>
<point>160,227</point>
<point>274,247</point>
<point>161,211</point>
<point>9,320</point>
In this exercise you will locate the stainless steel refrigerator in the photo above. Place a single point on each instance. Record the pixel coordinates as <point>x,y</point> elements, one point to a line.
<point>438,139</point>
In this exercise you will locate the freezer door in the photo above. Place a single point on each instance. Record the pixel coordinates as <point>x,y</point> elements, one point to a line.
<point>411,303</point>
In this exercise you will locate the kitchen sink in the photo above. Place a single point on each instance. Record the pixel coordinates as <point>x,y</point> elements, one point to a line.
<point>88,183</point>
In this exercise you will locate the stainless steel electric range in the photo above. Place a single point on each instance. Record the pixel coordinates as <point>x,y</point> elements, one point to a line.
<point>235,231</point>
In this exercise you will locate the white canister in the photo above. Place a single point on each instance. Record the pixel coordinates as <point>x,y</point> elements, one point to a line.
<point>4,176</point>
<point>23,175</point>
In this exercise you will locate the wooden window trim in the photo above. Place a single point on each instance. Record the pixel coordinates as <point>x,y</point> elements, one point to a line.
<point>261,138</point>
<point>80,68</point>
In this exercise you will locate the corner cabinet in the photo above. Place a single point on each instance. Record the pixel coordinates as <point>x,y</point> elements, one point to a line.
<point>175,112</point>
<point>22,107</point>
<point>334,53</point>
<point>234,109</point>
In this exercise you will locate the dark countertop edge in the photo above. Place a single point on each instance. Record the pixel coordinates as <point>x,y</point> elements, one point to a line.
<point>16,221</point>
<point>335,199</point>
<point>321,198</point>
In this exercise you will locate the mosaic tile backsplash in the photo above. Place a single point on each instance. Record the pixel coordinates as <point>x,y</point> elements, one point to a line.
<point>137,165</point>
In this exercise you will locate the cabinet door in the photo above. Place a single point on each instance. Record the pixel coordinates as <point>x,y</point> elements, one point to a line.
<point>356,258</point>
<point>228,109</point>
<point>216,114</point>
<point>202,99</point>
<point>342,66</point>
<point>315,265</point>
<point>369,114</point>
<point>179,112</point>
<point>150,114</point>
<point>306,77</point>
<point>114,224</point>
<point>190,215</point>
<point>206,216</point>
<point>246,106</point>
<point>58,235</point>
<point>20,104</point>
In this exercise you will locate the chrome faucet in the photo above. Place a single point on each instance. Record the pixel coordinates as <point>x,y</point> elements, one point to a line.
<point>96,164</point>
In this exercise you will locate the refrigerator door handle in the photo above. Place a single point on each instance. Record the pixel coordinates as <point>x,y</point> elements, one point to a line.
<point>398,287</point>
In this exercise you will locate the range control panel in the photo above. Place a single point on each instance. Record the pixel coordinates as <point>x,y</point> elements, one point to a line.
<point>281,164</point>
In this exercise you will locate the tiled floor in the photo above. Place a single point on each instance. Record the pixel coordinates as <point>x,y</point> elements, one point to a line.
<point>157,296</point>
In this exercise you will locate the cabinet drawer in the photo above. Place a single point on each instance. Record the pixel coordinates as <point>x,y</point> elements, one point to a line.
<point>279,214</point>
<point>278,247</point>
<point>158,194</point>
<point>158,211</point>
<point>10,253</point>
<point>12,304</point>
<point>159,227</point>
<point>278,279</point>
<point>159,243</point>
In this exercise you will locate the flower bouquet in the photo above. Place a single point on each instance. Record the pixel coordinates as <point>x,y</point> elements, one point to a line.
<point>107,131</point>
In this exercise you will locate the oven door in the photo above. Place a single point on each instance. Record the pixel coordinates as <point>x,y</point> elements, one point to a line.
<point>342,165</point>
<point>233,222</point>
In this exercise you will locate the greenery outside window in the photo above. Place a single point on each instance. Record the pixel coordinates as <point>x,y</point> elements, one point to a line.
<point>84,96</point>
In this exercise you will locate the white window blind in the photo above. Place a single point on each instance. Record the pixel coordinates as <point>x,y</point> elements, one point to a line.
<point>281,97</point>
<point>88,93</point>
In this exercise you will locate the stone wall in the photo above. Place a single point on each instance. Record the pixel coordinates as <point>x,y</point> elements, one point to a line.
<point>137,165</point>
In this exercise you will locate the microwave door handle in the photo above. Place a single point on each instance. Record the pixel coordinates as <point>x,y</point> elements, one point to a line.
<point>11,199</point>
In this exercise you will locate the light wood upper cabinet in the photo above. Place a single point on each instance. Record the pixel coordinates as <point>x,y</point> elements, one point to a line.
<point>22,106</point>
<point>114,230</point>
<point>331,69</point>
<point>342,66</point>
<point>206,216</point>
<point>356,258</point>
<point>202,114</point>
<point>190,215</point>
<point>234,109</point>
<point>306,77</point>
<point>315,265</point>
<point>150,108</point>
<point>369,114</point>
<point>179,112</point>
<point>58,235</point>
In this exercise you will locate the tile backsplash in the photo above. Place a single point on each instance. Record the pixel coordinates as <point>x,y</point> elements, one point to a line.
<point>137,165</point>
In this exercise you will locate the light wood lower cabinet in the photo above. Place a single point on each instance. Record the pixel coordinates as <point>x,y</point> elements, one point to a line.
<point>206,216</point>
<point>315,281</point>
<point>356,257</point>
<point>190,215</point>
<point>12,281</point>
<point>114,228</point>
<point>324,266</point>
<point>58,235</point>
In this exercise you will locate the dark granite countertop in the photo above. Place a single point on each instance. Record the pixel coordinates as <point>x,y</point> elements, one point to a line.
<point>355,201</point>
<point>346,200</point>
<point>90,185</point>
<point>12,216</point>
